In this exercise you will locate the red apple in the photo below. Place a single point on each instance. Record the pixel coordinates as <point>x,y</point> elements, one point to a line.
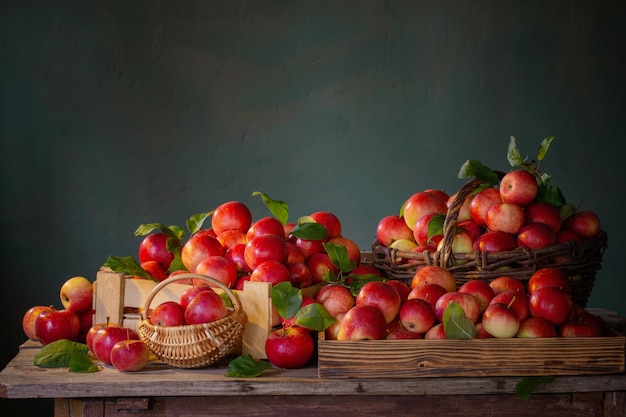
<point>367,269</point>
<point>507,283</point>
<point>536,327</point>
<point>55,325</point>
<point>494,241</point>
<point>433,274</point>
<point>155,269</point>
<point>391,228</point>
<point>199,247</point>
<point>219,268</point>
<point>336,299</point>
<point>168,313</point>
<point>93,330</point>
<point>85,319</point>
<point>575,328</point>
<point>482,202</point>
<point>382,296</point>
<point>232,237</point>
<point>546,213</point>
<point>536,235</point>
<point>551,303</point>
<point>565,235</point>
<point>505,217</point>
<point>464,211</point>
<point>300,275</point>
<point>481,333</point>
<point>500,321</point>
<point>271,271</point>
<point>330,222</point>
<point>331,331</point>
<point>420,231</point>
<point>263,248</point>
<point>154,248</point>
<point>403,335</point>
<point>105,338</point>
<point>469,303</point>
<point>130,355</point>
<point>471,228</point>
<point>436,332</point>
<point>402,288</point>
<point>266,226</point>
<point>29,319</point>
<point>231,215</point>
<point>236,256</point>
<point>586,223</point>
<point>518,187</point>
<point>187,295</point>
<point>77,294</point>
<point>439,193</point>
<point>363,322</point>
<point>515,300</point>
<point>422,203</point>
<point>241,281</point>
<point>307,247</point>
<point>428,292</point>
<point>294,254</point>
<point>320,264</point>
<point>417,315</point>
<point>289,348</point>
<point>205,307</point>
<point>479,289</point>
<point>353,250</point>
<point>549,277</point>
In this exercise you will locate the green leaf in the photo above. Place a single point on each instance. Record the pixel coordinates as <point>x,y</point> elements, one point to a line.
<point>65,353</point>
<point>177,262</point>
<point>472,168</point>
<point>310,231</point>
<point>314,316</point>
<point>356,281</point>
<point>245,366</point>
<point>279,209</point>
<point>195,222</point>
<point>286,299</point>
<point>548,192</point>
<point>82,363</point>
<point>338,255</point>
<point>566,210</point>
<point>544,146</point>
<point>456,325</point>
<point>146,229</point>
<point>127,265</point>
<point>435,225</point>
<point>528,385</point>
<point>513,154</point>
<point>227,300</point>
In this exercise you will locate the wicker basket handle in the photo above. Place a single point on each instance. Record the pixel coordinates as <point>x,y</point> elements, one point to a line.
<point>180,277</point>
<point>450,222</point>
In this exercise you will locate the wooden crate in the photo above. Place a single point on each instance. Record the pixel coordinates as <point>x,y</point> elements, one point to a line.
<point>471,358</point>
<point>119,298</point>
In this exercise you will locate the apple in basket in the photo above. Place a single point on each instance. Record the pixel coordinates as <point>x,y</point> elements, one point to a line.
<point>205,307</point>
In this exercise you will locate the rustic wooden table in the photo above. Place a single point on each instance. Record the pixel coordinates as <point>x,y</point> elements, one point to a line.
<point>160,390</point>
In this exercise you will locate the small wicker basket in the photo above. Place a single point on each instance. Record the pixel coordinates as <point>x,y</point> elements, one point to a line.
<point>193,345</point>
<point>580,260</point>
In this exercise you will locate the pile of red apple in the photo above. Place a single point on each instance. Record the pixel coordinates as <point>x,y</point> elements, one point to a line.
<point>235,249</point>
<point>495,219</point>
<point>198,304</point>
<point>48,324</point>
<point>504,307</point>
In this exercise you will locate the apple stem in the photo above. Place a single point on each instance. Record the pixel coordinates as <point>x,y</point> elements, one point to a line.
<point>511,302</point>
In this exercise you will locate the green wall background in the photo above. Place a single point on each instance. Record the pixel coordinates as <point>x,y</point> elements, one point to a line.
<point>114,114</point>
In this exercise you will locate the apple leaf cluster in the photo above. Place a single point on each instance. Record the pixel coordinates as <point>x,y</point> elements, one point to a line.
<point>287,301</point>
<point>338,255</point>
<point>245,366</point>
<point>66,353</point>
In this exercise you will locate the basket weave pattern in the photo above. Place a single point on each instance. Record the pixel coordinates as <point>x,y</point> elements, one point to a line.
<point>579,259</point>
<point>194,345</point>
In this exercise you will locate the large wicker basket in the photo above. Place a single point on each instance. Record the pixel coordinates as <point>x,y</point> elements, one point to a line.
<point>194,345</point>
<point>580,259</point>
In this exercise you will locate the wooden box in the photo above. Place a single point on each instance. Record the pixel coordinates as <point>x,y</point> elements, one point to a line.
<point>471,358</point>
<point>119,299</point>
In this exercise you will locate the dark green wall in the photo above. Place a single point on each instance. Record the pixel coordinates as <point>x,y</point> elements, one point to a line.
<point>117,113</point>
